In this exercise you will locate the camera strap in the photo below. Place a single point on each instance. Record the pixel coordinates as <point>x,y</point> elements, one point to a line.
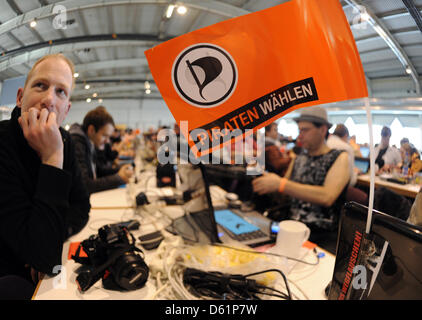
<point>77,257</point>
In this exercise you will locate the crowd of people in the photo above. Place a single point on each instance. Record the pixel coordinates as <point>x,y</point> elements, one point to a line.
<point>48,173</point>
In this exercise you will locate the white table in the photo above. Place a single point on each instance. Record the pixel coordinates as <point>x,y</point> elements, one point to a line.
<point>407,190</point>
<point>305,281</point>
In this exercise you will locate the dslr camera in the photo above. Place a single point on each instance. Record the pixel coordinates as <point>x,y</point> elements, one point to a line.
<point>112,256</point>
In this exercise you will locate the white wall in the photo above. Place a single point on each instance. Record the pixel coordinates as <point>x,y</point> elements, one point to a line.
<point>132,113</point>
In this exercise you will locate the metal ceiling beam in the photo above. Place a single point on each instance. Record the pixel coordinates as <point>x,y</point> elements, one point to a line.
<point>44,12</point>
<point>384,33</point>
<point>164,20</point>
<point>379,50</point>
<point>396,32</point>
<point>18,11</point>
<point>414,12</point>
<point>122,63</point>
<point>114,88</point>
<point>123,96</point>
<point>117,77</point>
<point>122,80</point>
<point>389,16</point>
<point>85,38</point>
<point>102,94</point>
<point>14,6</point>
<point>31,56</point>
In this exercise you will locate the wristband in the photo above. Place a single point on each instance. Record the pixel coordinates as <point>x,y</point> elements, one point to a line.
<point>282,185</point>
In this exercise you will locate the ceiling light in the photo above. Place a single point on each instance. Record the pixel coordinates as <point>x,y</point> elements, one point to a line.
<point>75,75</point>
<point>169,11</point>
<point>88,100</point>
<point>100,100</point>
<point>181,10</point>
<point>148,91</point>
<point>87,86</point>
<point>408,70</point>
<point>147,85</point>
<point>364,16</point>
<point>33,24</point>
<point>94,94</point>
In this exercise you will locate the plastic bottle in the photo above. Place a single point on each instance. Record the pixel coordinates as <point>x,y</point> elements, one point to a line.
<point>405,170</point>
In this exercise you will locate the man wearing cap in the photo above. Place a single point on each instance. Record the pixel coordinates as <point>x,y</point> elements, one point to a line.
<point>316,180</point>
<point>386,156</point>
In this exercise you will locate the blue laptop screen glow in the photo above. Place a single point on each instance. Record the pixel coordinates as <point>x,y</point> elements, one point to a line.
<point>365,152</point>
<point>233,222</point>
<point>362,165</point>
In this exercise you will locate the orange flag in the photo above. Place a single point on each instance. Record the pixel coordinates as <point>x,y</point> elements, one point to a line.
<point>246,72</point>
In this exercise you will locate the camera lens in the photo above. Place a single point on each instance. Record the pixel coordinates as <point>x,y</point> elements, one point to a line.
<point>130,271</point>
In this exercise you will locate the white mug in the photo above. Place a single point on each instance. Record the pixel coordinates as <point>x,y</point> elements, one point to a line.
<point>290,238</point>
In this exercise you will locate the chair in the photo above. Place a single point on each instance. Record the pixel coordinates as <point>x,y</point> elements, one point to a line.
<point>392,203</point>
<point>356,195</point>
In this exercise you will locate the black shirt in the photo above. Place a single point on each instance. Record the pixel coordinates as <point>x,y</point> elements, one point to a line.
<point>41,205</point>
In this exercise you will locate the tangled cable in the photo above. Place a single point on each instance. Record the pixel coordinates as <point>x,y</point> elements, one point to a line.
<point>230,286</point>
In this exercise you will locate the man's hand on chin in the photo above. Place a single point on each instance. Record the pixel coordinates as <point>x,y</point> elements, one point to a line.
<point>41,131</point>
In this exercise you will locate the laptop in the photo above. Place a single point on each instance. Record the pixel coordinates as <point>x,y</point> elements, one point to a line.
<point>223,225</point>
<point>384,264</point>
<point>362,164</point>
<point>364,151</point>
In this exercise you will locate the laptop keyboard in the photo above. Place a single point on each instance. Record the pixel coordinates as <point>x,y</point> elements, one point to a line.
<point>203,221</point>
<point>246,236</point>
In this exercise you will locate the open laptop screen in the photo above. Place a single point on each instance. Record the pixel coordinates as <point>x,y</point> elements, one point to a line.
<point>362,164</point>
<point>383,265</point>
<point>233,222</point>
<point>364,152</point>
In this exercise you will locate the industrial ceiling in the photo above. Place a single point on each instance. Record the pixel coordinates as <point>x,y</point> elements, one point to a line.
<point>106,40</point>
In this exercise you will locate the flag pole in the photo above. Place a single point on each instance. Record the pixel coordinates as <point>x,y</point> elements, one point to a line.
<point>371,166</point>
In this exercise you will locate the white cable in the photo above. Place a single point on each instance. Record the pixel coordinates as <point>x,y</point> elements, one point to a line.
<point>179,280</point>
<point>172,282</point>
<point>371,166</point>
<point>159,291</point>
<point>297,287</point>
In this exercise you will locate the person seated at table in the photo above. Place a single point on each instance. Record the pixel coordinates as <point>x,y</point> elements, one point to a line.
<point>126,147</point>
<point>340,140</point>
<point>149,152</point>
<point>387,158</point>
<point>410,156</point>
<point>107,158</point>
<point>275,160</point>
<point>316,180</point>
<point>43,198</point>
<point>415,215</point>
<point>355,146</point>
<point>115,137</point>
<point>95,131</point>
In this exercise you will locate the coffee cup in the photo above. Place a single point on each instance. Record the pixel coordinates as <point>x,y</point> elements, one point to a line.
<point>290,238</point>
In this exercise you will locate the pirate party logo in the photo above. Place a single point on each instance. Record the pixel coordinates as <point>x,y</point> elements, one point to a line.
<point>204,75</point>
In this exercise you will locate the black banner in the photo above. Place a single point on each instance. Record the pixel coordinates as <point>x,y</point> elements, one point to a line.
<point>257,112</point>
